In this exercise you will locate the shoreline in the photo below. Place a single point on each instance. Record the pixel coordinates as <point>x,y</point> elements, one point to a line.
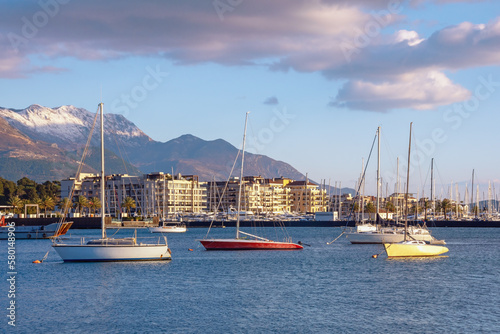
<point>95,223</point>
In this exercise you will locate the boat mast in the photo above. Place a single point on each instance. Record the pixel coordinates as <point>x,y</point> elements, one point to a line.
<point>472,195</point>
<point>340,199</point>
<point>432,189</point>
<point>103,182</point>
<point>378,174</point>
<point>397,191</point>
<point>164,195</point>
<point>361,186</point>
<point>407,186</point>
<point>241,178</point>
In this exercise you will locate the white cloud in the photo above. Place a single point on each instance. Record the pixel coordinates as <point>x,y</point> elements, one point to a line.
<point>410,37</point>
<point>302,35</point>
<point>416,90</point>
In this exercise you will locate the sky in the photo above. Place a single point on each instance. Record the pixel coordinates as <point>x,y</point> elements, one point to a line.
<point>319,77</point>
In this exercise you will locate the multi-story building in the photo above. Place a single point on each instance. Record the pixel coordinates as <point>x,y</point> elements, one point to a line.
<point>307,197</point>
<point>260,195</point>
<point>154,194</point>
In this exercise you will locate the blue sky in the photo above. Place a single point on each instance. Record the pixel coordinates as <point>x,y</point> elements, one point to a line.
<point>319,77</point>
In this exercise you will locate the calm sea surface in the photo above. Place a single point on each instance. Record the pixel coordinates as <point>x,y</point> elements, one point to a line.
<point>337,288</point>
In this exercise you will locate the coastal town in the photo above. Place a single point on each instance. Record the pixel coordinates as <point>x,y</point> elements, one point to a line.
<point>165,195</point>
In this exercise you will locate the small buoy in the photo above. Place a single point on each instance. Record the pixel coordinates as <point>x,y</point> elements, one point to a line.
<point>37,261</point>
<point>374,256</point>
<point>190,249</point>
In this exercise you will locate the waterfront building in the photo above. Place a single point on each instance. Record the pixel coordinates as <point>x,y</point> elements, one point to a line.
<point>260,195</point>
<point>155,194</point>
<point>307,197</point>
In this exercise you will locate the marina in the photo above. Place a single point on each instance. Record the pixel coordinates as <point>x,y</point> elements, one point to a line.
<point>323,288</point>
<point>129,204</point>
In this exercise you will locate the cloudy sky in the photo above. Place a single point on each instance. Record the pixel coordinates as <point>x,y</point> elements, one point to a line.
<point>318,76</point>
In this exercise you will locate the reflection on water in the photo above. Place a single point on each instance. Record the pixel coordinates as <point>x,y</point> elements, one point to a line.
<point>323,288</point>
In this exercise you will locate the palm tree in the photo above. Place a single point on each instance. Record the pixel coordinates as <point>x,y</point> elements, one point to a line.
<point>370,208</point>
<point>95,204</point>
<point>15,202</point>
<point>426,207</point>
<point>65,202</point>
<point>128,203</point>
<point>355,207</point>
<point>37,201</point>
<point>445,204</point>
<point>82,203</point>
<point>47,202</point>
<point>389,206</point>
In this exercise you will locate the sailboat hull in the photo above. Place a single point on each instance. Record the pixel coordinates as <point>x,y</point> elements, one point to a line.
<point>99,253</point>
<point>413,249</point>
<point>243,244</point>
<point>381,238</point>
<point>36,232</point>
<point>168,229</point>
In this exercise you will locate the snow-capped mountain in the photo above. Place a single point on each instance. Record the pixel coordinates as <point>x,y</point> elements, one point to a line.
<point>39,141</point>
<point>69,127</point>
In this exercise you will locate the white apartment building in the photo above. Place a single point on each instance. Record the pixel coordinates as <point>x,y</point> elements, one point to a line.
<point>155,194</point>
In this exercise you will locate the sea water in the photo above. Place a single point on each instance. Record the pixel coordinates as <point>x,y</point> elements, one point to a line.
<point>336,288</point>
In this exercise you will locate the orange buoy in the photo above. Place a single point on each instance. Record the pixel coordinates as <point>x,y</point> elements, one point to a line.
<point>190,249</point>
<point>37,261</point>
<point>374,256</point>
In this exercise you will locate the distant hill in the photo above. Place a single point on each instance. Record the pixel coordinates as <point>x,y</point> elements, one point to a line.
<point>208,159</point>
<point>46,143</point>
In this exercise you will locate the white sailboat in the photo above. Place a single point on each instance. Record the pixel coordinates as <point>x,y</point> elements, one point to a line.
<point>411,248</point>
<point>111,249</point>
<point>169,225</point>
<point>243,240</point>
<point>379,233</point>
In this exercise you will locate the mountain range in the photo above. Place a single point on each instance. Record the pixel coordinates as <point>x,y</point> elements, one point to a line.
<point>47,143</point>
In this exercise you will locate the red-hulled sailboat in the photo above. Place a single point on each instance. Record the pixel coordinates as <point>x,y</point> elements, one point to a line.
<point>249,241</point>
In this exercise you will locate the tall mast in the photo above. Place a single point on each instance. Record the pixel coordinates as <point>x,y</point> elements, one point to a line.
<point>241,178</point>
<point>340,198</point>
<point>361,186</point>
<point>378,173</point>
<point>103,182</point>
<point>432,187</point>
<point>472,195</point>
<point>477,200</point>
<point>164,196</point>
<point>407,186</point>
<point>397,190</point>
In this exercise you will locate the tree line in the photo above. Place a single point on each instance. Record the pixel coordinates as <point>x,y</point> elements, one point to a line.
<point>47,195</point>
<point>26,191</point>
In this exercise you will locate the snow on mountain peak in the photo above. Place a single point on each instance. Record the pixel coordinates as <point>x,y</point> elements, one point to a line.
<point>66,125</point>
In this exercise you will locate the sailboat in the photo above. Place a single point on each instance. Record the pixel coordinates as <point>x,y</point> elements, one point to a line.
<point>411,248</point>
<point>111,249</point>
<point>381,232</point>
<point>243,240</point>
<point>169,225</point>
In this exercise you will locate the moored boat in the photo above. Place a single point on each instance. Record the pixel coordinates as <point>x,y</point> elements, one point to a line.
<point>169,227</point>
<point>247,244</point>
<point>391,234</point>
<point>250,241</point>
<point>33,232</point>
<point>110,249</point>
<point>413,248</point>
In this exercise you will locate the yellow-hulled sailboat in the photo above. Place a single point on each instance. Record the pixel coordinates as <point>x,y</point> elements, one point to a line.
<point>411,248</point>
